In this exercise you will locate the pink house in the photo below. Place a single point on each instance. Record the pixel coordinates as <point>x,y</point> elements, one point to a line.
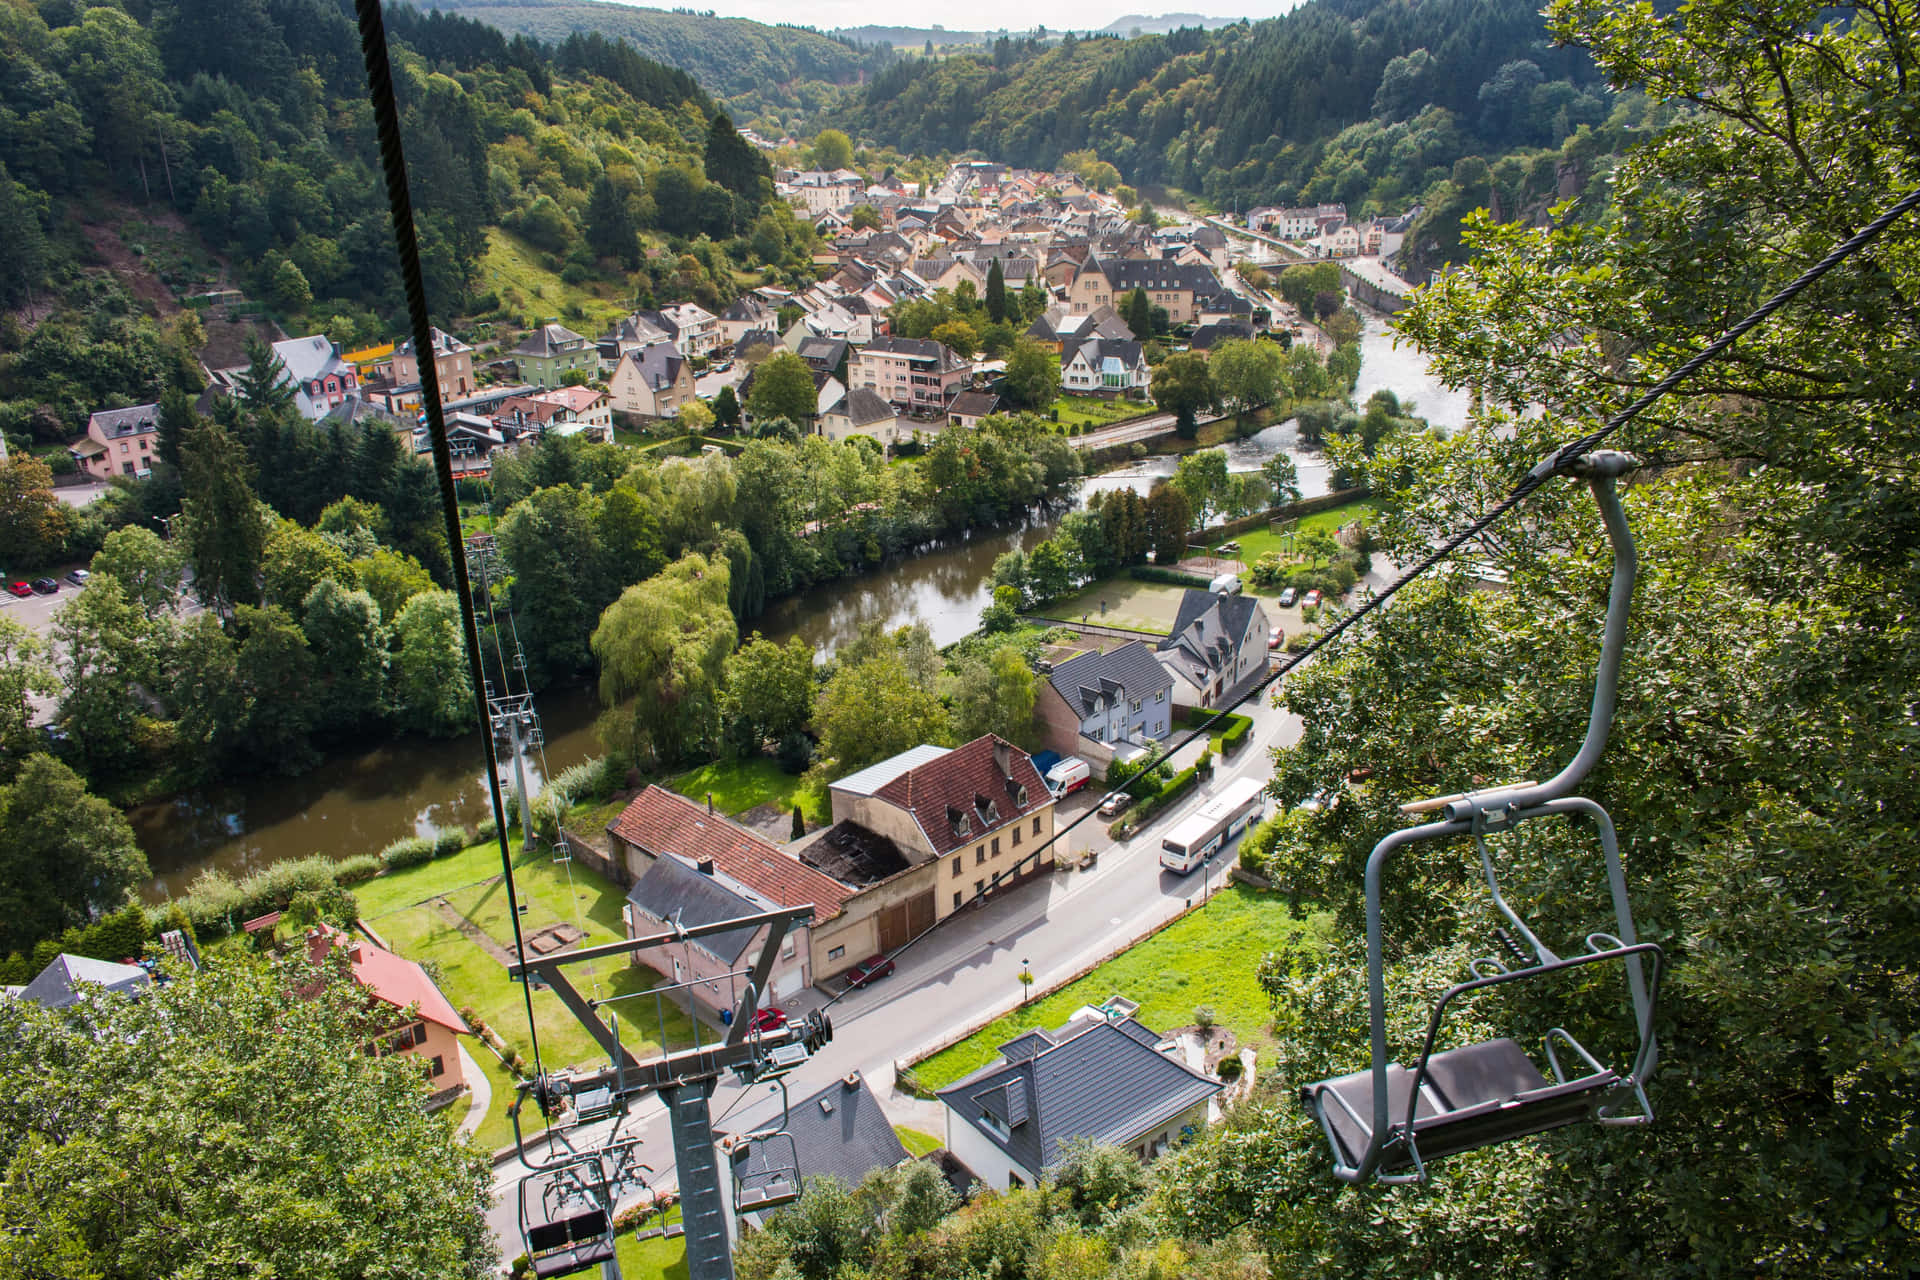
<point>915,374</point>
<point>120,442</point>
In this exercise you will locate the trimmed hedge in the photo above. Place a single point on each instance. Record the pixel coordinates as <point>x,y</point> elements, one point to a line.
<point>1181,783</point>
<point>409,851</point>
<point>362,866</point>
<point>1236,735</point>
<point>1168,577</point>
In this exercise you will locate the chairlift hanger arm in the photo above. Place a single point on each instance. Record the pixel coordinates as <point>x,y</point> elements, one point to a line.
<point>547,966</point>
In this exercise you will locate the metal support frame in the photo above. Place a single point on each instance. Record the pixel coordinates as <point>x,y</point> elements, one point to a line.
<point>1502,808</point>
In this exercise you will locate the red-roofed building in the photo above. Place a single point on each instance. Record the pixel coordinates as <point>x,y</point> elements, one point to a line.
<point>427,1026</point>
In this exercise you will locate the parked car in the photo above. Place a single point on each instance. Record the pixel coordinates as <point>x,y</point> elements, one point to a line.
<point>1312,600</point>
<point>79,577</point>
<point>1288,596</point>
<point>768,1018</point>
<point>1227,584</point>
<point>1275,638</point>
<point>1115,804</point>
<point>871,969</point>
<point>45,586</point>
<point>19,588</point>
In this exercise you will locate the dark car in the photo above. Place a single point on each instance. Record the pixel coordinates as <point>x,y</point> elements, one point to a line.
<point>19,588</point>
<point>873,967</point>
<point>45,586</point>
<point>768,1019</point>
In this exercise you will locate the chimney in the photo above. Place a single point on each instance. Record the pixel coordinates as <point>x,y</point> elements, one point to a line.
<point>709,804</point>
<point>704,866</point>
<point>1003,758</point>
<point>851,1081</point>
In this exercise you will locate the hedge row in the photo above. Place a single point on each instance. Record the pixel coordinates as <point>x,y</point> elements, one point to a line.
<point>1181,783</point>
<point>1168,577</point>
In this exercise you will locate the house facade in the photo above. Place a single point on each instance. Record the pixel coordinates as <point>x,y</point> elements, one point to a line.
<point>1108,367</point>
<point>120,442</point>
<point>452,365</point>
<point>695,330</point>
<point>709,972</point>
<point>1217,649</point>
<point>425,1025</point>
<point>861,412</point>
<point>548,354</point>
<point>1107,282</point>
<point>582,407</point>
<point>653,382</point>
<point>1096,704</point>
<point>914,374</point>
<point>974,814</point>
<point>1101,1078</point>
<point>320,376</point>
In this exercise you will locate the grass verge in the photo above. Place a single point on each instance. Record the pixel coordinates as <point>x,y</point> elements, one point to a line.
<point>740,785</point>
<point>655,1259</point>
<point>917,1142</point>
<point>1130,603</point>
<point>1210,957</point>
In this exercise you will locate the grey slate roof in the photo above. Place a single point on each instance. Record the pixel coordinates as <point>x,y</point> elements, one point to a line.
<point>1101,1080</point>
<point>839,1132</point>
<point>1092,680</point>
<point>1207,632</point>
<point>659,365</point>
<point>1148,274</point>
<point>54,986</point>
<point>135,420</point>
<point>551,340</point>
<point>671,885</point>
<point>863,408</point>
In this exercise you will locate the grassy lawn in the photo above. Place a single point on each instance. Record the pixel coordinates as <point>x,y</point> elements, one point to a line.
<point>1259,542</point>
<point>739,785</point>
<point>511,266</point>
<point>916,1142</point>
<point>1211,957</point>
<point>496,1131</point>
<point>1094,411</point>
<point>1131,603</point>
<point>655,1259</point>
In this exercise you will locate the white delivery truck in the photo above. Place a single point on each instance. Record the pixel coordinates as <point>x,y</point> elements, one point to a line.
<point>1068,776</point>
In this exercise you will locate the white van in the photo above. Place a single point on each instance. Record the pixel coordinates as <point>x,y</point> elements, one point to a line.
<point>1068,776</point>
<point>1227,584</point>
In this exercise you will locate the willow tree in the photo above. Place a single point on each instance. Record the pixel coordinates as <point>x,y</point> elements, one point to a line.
<point>662,648</point>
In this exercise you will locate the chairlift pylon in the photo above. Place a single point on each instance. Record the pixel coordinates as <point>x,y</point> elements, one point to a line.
<point>1387,1123</point>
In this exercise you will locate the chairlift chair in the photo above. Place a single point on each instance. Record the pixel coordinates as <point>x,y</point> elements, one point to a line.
<point>1388,1122</point>
<point>561,1244</point>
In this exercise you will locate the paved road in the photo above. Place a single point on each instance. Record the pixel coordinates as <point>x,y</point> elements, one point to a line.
<point>969,970</point>
<point>708,385</point>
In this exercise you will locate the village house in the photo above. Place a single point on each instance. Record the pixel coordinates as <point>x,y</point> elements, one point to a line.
<point>425,1026</point>
<point>585,409</point>
<point>1107,282</point>
<point>693,329</point>
<point>652,382</point>
<point>59,984</point>
<point>1106,367</point>
<point>120,442</point>
<point>1217,649</point>
<point>970,406</point>
<point>840,1131</point>
<point>634,332</point>
<point>743,315</point>
<point>548,354</point>
<point>914,374</point>
<point>711,971</point>
<point>1102,1078</point>
<point>320,376</point>
<point>1100,706</point>
<point>452,365</point>
<point>861,412</point>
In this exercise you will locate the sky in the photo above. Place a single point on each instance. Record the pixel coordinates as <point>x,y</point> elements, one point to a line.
<point>973,15</point>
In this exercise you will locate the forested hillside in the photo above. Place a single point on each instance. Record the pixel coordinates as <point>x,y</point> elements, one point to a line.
<point>755,67</point>
<point>1361,101</point>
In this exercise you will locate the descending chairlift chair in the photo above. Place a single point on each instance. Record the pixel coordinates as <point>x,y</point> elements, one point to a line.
<point>563,1243</point>
<point>1387,1122</point>
<point>777,1181</point>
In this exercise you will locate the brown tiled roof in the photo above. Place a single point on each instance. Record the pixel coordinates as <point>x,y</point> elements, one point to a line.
<point>958,783</point>
<point>661,822</point>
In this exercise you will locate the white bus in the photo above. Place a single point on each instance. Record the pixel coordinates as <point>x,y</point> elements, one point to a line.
<point>1238,805</point>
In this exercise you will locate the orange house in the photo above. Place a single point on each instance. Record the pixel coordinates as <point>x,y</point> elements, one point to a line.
<point>425,1025</point>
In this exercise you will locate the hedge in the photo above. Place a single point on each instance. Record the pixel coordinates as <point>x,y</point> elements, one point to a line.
<point>409,851</point>
<point>1170,577</point>
<point>216,904</point>
<point>1236,735</point>
<point>1181,783</point>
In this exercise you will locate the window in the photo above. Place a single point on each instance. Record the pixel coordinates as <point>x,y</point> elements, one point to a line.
<point>834,953</point>
<point>1136,704</point>
<point>1016,835</point>
<point>439,1067</point>
<point>1159,726</point>
<point>1015,1180</point>
<point>786,947</point>
<point>956,900</point>
<point>1160,696</point>
<point>1036,826</point>
<point>123,447</point>
<point>956,864</point>
<point>979,887</point>
<point>979,855</point>
<point>996,846</point>
<point>419,1033</point>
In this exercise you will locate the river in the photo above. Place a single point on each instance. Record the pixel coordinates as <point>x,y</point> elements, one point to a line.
<point>359,803</point>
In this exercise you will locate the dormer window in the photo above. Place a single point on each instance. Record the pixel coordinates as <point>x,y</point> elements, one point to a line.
<point>1020,796</point>
<point>958,820</point>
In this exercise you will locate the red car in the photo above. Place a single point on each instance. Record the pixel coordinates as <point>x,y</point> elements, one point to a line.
<point>768,1019</point>
<point>1311,600</point>
<point>868,970</point>
<point>19,588</point>
<point>1276,638</point>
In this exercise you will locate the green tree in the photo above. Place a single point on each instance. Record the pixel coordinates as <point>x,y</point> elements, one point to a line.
<point>960,336</point>
<point>288,289</point>
<point>67,854</point>
<point>769,690</point>
<point>996,293</point>
<point>550,545</point>
<point>1202,477</point>
<point>783,388</point>
<point>995,694</point>
<point>663,647</point>
<point>264,1054</point>
<point>864,217</point>
<point>1247,372</point>
<point>832,149</point>
<point>225,528</point>
<point>610,231</point>
<point>33,523</point>
<point>1032,379</point>
<point>274,676</point>
<point>148,569</point>
<point>105,658</point>
<point>1139,314</point>
<point>726,408</point>
<point>1168,520</point>
<point>1183,386</point>
<point>1283,479</point>
<point>431,690</point>
<point>696,418</point>
<point>295,560</point>
<point>874,709</point>
<point>349,645</point>
<point>392,579</point>
<point>26,672</point>
<point>264,386</point>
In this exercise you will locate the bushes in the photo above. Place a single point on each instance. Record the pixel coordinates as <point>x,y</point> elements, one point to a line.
<point>216,904</point>
<point>363,866</point>
<point>1181,783</point>
<point>1238,727</point>
<point>120,936</point>
<point>588,780</point>
<point>411,851</point>
<point>1168,577</point>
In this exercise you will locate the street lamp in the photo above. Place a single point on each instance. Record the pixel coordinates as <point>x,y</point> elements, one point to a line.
<point>1026,980</point>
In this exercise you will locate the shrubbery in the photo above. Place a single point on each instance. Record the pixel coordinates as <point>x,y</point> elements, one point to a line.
<point>1169,577</point>
<point>216,904</point>
<point>410,851</point>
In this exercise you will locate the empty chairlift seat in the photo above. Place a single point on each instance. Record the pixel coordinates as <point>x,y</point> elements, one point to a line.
<point>569,1245</point>
<point>1469,1097</point>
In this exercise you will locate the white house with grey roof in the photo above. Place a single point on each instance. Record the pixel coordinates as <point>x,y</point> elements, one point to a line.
<point>1098,704</point>
<point>1101,1078</point>
<point>61,982</point>
<point>1217,650</point>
